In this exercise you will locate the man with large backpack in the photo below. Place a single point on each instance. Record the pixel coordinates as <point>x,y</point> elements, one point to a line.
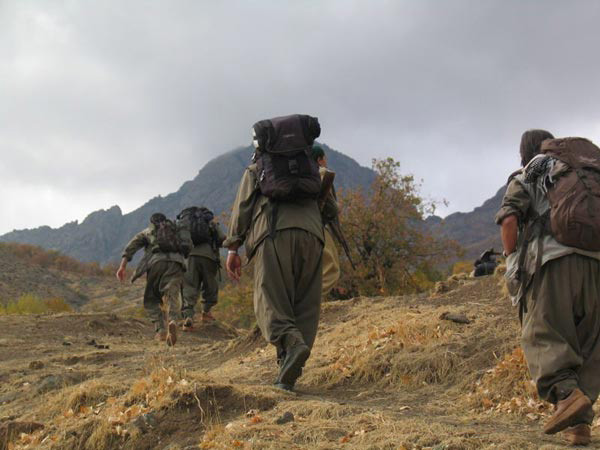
<point>165,244</point>
<point>276,216</point>
<point>203,264</point>
<point>550,218</point>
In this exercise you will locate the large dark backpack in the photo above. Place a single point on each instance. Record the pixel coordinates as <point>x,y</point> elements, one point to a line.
<point>198,220</point>
<point>286,169</point>
<point>575,195</point>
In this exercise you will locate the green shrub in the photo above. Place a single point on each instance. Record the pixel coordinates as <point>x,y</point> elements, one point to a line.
<point>31,304</point>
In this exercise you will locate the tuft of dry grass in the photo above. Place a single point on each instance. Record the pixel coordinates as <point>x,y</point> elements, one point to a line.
<point>107,417</point>
<point>451,283</point>
<point>410,351</point>
<point>88,395</point>
<point>499,275</point>
<point>507,388</point>
<point>102,436</point>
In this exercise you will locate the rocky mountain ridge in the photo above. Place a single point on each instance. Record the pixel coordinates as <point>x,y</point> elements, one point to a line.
<point>103,234</point>
<point>476,230</point>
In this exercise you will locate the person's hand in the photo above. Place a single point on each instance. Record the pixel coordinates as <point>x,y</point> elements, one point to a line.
<point>234,266</point>
<point>121,273</point>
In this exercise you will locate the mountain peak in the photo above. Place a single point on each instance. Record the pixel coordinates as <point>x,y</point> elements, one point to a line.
<point>103,233</point>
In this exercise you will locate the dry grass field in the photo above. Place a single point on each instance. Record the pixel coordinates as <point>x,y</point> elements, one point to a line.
<point>385,373</point>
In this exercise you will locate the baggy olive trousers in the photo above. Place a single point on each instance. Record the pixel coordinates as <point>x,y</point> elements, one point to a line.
<point>163,286</point>
<point>331,263</point>
<point>287,287</point>
<point>561,327</point>
<point>200,276</point>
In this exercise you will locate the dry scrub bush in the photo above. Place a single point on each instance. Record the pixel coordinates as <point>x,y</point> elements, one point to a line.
<point>393,251</point>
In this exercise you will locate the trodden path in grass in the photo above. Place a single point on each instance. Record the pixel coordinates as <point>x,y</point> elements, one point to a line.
<point>385,373</point>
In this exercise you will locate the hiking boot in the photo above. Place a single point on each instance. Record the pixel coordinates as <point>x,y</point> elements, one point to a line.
<point>172,333</point>
<point>568,412</point>
<point>207,317</point>
<point>160,336</point>
<point>285,387</point>
<point>188,324</point>
<point>292,365</point>
<point>578,435</point>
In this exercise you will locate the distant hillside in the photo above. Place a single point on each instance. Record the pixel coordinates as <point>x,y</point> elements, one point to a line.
<point>475,230</point>
<point>20,277</point>
<point>103,234</point>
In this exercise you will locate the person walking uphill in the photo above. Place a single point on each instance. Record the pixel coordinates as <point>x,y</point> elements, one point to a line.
<point>165,245</point>
<point>203,264</point>
<point>329,215</point>
<point>276,216</point>
<point>550,218</point>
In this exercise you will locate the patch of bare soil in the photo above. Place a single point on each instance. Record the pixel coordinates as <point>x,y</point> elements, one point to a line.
<point>416,372</point>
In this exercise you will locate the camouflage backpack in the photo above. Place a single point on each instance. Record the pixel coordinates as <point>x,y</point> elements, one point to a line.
<point>198,220</point>
<point>166,234</point>
<point>575,195</point>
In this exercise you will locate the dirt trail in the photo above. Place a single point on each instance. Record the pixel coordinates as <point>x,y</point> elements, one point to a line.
<point>385,373</point>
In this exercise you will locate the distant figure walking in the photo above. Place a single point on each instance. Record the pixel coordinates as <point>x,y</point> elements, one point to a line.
<point>165,245</point>
<point>203,264</point>
<point>551,236</point>
<point>277,217</point>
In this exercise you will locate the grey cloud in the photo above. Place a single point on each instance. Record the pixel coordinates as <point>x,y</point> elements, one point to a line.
<point>124,100</point>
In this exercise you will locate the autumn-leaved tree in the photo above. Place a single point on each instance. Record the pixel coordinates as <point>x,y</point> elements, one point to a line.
<point>392,249</point>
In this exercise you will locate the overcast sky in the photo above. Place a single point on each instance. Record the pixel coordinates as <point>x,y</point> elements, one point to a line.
<point>115,102</point>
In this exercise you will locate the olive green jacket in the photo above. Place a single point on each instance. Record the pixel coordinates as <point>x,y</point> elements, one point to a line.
<point>252,214</point>
<point>525,201</point>
<point>211,250</point>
